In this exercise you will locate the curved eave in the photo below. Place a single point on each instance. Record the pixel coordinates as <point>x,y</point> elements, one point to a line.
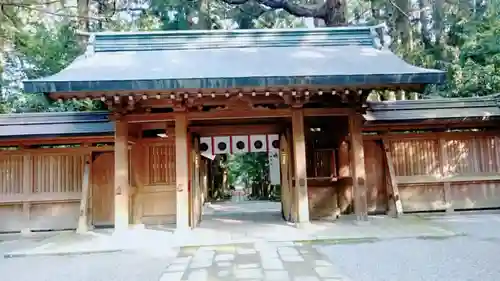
<point>412,80</point>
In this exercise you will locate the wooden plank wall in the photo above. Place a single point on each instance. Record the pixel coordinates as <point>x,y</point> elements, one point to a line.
<point>40,189</point>
<point>375,180</point>
<point>447,171</point>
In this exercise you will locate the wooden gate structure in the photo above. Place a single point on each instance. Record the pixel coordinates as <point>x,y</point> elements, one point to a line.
<point>339,153</point>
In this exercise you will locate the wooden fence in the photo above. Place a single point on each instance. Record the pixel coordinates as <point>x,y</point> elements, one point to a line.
<point>40,189</point>
<point>444,171</point>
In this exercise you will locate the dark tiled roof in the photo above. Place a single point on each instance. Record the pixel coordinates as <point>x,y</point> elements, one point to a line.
<point>55,124</point>
<point>484,108</point>
<point>342,56</point>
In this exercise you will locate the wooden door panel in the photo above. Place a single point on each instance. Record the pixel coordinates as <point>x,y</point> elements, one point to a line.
<point>103,168</point>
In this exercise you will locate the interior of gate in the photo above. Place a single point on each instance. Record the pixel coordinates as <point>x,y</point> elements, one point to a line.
<point>241,160</point>
<point>327,161</point>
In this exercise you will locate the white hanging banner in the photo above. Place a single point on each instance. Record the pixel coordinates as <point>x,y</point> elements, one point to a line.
<point>239,144</point>
<point>274,168</point>
<point>210,146</point>
<point>258,143</point>
<point>221,145</point>
<point>206,147</point>
<point>273,143</point>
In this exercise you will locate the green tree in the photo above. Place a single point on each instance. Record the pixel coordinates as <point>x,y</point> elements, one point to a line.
<point>41,52</point>
<point>252,171</point>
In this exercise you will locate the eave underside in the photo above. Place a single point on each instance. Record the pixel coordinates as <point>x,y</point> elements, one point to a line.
<point>436,114</point>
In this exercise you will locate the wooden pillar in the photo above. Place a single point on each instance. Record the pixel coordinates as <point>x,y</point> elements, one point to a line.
<point>299,148</point>
<point>181,172</point>
<point>286,195</point>
<point>358,166</point>
<point>84,202</point>
<point>197,183</point>
<point>27,191</point>
<point>122,189</point>
<point>344,192</point>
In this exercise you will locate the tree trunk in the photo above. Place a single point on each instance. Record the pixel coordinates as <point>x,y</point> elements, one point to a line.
<point>83,20</point>
<point>438,18</point>
<point>318,22</point>
<point>83,14</point>
<point>465,9</point>
<point>204,22</point>
<point>336,13</point>
<point>424,22</point>
<point>332,12</point>
<point>402,22</point>
<point>376,7</point>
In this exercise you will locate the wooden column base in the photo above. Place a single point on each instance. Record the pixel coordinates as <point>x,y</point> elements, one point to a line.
<point>121,212</point>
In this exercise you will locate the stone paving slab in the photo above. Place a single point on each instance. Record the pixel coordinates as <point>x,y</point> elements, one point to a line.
<point>231,223</point>
<point>271,261</point>
<point>70,243</point>
<point>220,232</point>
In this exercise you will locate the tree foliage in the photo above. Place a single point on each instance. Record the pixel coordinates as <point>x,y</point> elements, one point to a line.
<point>251,170</point>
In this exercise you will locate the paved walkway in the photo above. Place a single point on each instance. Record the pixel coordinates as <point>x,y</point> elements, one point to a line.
<point>233,223</point>
<point>472,256</point>
<point>258,261</point>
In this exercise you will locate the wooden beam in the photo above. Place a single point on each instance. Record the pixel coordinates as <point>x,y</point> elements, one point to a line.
<point>395,204</point>
<point>431,135</point>
<point>442,124</point>
<point>211,115</point>
<point>149,117</point>
<point>299,148</point>
<point>215,130</point>
<point>55,140</point>
<point>462,178</point>
<point>76,150</point>
<point>42,197</point>
<point>358,166</point>
<point>182,172</point>
<point>121,176</point>
<point>238,114</point>
<point>246,91</point>
<point>83,216</point>
<point>220,99</point>
<point>318,112</point>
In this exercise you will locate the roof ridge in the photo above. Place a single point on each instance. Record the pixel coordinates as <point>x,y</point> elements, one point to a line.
<point>239,31</point>
<point>203,39</point>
